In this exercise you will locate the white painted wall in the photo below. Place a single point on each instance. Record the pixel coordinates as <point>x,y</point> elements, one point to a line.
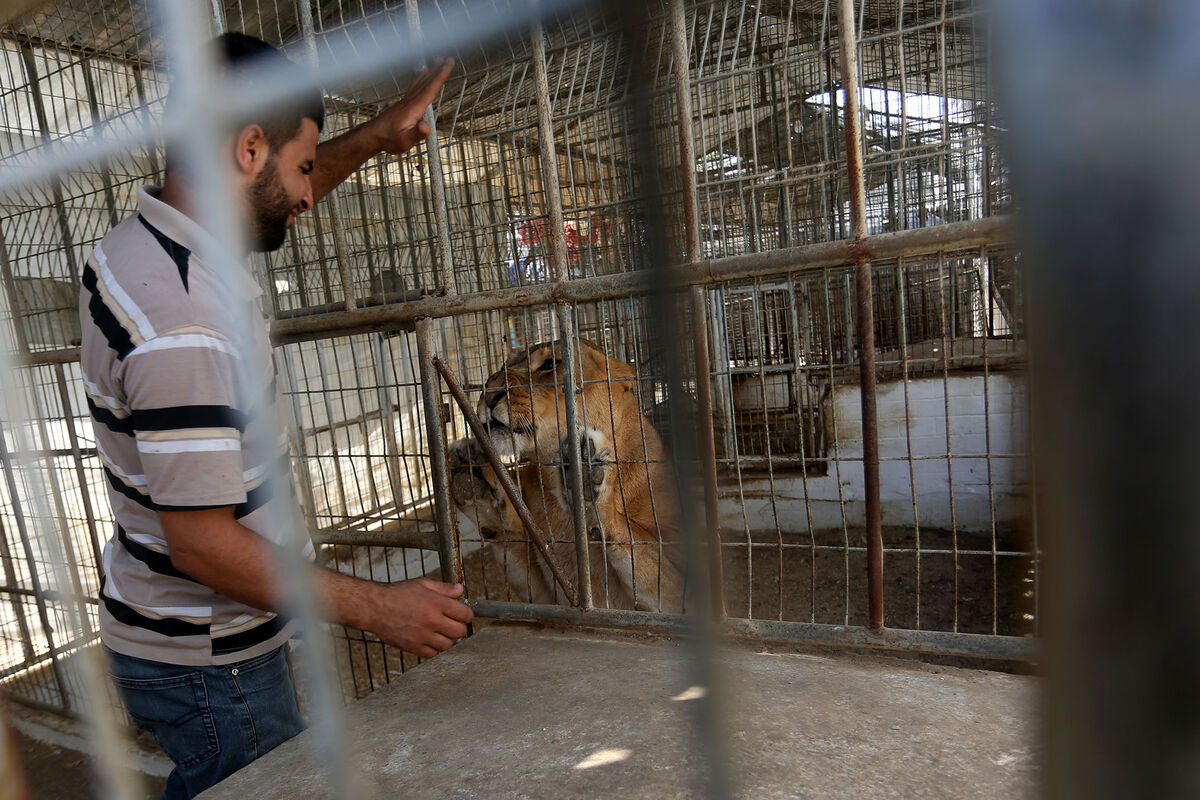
<point>920,421</point>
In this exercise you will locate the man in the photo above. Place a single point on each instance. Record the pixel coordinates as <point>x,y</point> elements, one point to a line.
<point>183,402</point>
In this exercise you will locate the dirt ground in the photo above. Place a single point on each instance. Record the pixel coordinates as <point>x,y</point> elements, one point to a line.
<point>954,583</point>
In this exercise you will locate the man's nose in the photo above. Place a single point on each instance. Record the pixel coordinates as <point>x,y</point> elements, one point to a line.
<point>306,202</point>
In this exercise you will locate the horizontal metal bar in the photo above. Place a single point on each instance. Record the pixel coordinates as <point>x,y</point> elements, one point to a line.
<point>970,645</point>
<point>370,301</point>
<point>883,246</point>
<point>408,533</point>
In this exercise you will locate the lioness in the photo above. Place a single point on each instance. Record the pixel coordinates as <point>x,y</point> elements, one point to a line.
<point>629,490</point>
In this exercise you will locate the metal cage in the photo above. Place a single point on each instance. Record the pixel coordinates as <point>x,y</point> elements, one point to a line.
<point>571,163</point>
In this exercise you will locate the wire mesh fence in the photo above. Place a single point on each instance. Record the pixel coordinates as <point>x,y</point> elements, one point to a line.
<point>768,133</point>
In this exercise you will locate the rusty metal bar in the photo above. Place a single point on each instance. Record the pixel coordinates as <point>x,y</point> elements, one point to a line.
<point>878,247</point>
<point>309,40</point>
<point>918,241</point>
<point>339,249</point>
<point>969,645</point>
<point>60,206</point>
<point>866,316</point>
<point>447,532</point>
<point>14,304</point>
<point>552,190</point>
<point>510,488</point>
<point>691,227</point>
<point>89,86</point>
<point>437,185</point>
<point>407,533</point>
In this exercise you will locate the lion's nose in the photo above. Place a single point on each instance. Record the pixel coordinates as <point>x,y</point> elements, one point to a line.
<point>493,397</point>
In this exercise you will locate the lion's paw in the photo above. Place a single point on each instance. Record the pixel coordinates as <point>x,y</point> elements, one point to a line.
<point>596,459</point>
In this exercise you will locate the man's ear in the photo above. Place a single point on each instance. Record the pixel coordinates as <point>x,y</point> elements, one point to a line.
<point>250,149</point>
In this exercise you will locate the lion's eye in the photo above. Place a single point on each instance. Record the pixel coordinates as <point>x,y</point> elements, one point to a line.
<point>548,365</point>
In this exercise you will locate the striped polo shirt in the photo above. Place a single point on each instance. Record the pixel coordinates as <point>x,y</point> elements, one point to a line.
<point>184,404</point>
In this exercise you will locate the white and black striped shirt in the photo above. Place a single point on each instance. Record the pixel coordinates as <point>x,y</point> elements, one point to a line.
<point>184,405</point>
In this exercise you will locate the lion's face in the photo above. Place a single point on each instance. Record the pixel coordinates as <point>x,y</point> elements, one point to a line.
<point>524,406</point>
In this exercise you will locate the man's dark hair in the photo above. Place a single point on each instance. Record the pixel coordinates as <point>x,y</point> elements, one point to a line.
<point>243,59</point>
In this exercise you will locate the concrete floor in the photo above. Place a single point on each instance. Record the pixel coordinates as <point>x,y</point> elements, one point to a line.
<point>519,712</point>
<point>58,758</point>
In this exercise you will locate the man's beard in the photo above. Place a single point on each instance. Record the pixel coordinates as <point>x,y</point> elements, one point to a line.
<point>271,208</point>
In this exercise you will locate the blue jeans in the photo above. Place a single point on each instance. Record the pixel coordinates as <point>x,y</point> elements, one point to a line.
<point>211,721</point>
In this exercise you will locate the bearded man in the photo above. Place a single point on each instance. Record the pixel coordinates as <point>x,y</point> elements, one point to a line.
<point>184,406</point>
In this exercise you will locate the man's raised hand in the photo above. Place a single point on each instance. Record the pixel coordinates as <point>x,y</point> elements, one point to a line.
<point>400,127</point>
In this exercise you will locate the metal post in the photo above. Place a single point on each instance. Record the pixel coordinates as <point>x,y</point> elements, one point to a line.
<point>691,225</point>
<point>558,258</point>
<point>339,249</point>
<point>39,108</point>
<point>387,408</point>
<point>715,779</point>
<point>14,300</point>
<point>437,185</point>
<point>866,317</point>
<point>89,85</point>
<point>1110,212</point>
<point>308,36</point>
<point>436,435</point>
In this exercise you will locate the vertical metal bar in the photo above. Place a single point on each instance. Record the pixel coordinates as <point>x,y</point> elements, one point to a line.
<point>60,207</point>
<point>218,17</point>
<point>308,37</point>
<point>300,465</point>
<point>387,407</point>
<point>64,527</point>
<point>437,186</point>
<point>552,191</point>
<point>448,534</point>
<point>89,85</point>
<point>10,579</point>
<point>1108,285</point>
<point>866,320</point>
<point>34,578</point>
<point>84,492</point>
<point>14,300</point>
<point>715,778</point>
<point>200,149</point>
<point>140,87</point>
<point>691,227</point>
<point>339,249</point>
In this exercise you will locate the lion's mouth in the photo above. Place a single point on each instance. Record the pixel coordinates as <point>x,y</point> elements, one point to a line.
<point>496,425</point>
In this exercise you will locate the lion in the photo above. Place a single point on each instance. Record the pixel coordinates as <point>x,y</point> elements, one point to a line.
<point>629,490</point>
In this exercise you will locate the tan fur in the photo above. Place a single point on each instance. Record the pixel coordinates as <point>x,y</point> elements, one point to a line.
<point>635,562</point>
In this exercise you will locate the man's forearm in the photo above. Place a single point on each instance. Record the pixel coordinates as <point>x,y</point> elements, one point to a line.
<point>225,555</point>
<point>341,155</point>
<point>421,616</point>
<point>395,130</point>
